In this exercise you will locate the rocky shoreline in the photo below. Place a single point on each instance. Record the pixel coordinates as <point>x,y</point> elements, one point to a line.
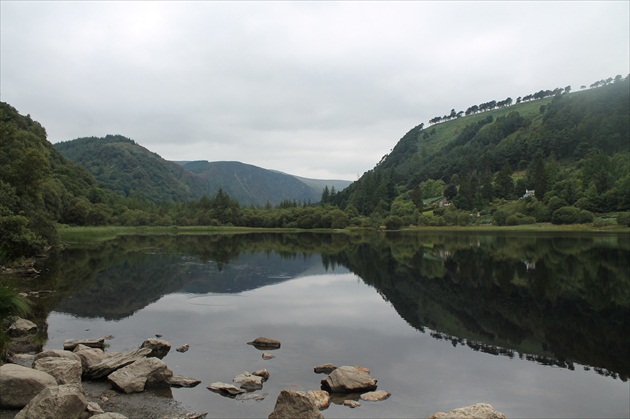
<point>84,381</point>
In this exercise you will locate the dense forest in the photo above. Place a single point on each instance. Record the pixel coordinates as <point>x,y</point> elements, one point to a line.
<point>562,158</point>
<point>130,170</point>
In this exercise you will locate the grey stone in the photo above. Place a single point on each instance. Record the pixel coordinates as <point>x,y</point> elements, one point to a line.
<point>249,382</point>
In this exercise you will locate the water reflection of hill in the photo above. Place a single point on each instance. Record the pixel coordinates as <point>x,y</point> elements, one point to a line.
<point>553,300</point>
<point>569,303</point>
<point>125,275</point>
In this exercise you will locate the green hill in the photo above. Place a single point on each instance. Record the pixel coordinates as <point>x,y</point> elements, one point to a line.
<point>574,147</point>
<point>39,187</point>
<point>132,171</point>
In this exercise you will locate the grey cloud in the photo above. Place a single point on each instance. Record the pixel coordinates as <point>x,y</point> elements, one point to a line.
<point>275,83</point>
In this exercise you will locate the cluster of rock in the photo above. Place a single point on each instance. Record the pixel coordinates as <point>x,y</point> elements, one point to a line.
<point>52,386</point>
<point>343,383</point>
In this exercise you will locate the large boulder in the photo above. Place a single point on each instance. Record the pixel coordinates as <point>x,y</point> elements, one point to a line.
<point>348,379</point>
<point>140,374</point>
<point>159,347</point>
<point>22,327</point>
<point>65,366</point>
<point>65,401</point>
<point>18,385</point>
<point>109,415</point>
<point>115,362</point>
<point>292,404</point>
<point>474,411</point>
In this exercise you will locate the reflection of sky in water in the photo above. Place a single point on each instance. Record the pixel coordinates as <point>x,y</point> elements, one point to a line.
<point>337,318</point>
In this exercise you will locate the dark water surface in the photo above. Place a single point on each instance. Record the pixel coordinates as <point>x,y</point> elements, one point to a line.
<point>536,325</point>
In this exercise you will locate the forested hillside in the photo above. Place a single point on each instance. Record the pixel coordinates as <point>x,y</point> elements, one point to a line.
<point>132,171</point>
<point>572,150</point>
<point>39,187</point>
<point>252,185</point>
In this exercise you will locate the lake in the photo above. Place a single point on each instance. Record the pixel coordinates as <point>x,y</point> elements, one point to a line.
<point>535,324</point>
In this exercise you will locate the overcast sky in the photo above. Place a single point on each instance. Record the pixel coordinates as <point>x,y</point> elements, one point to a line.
<point>316,89</point>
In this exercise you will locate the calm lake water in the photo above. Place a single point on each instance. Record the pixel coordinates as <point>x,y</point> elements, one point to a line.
<point>536,325</point>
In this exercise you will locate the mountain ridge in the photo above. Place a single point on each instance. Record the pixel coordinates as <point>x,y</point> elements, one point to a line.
<point>131,170</point>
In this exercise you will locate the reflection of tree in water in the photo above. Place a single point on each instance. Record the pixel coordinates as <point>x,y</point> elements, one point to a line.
<point>470,289</point>
<point>475,291</point>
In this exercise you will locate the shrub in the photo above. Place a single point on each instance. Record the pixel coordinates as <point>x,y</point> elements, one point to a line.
<point>519,219</point>
<point>565,215</point>
<point>623,218</point>
<point>394,222</point>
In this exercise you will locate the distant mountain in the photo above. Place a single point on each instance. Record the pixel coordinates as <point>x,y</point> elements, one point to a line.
<point>130,170</point>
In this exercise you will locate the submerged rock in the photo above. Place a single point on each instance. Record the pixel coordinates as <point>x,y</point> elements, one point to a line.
<point>185,347</point>
<point>292,404</point>
<point>474,411</point>
<point>252,396</point>
<point>324,369</point>
<point>375,396</point>
<point>262,343</point>
<point>225,389</point>
<point>351,403</point>
<point>181,381</point>
<point>349,379</point>
<point>267,356</point>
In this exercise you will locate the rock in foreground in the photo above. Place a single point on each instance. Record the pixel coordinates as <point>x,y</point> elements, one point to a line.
<point>140,374</point>
<point>65,401</point>
<point>291,405</point>
<point>18,385</point>
<point>475,411</point>
<point>348,380</point>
